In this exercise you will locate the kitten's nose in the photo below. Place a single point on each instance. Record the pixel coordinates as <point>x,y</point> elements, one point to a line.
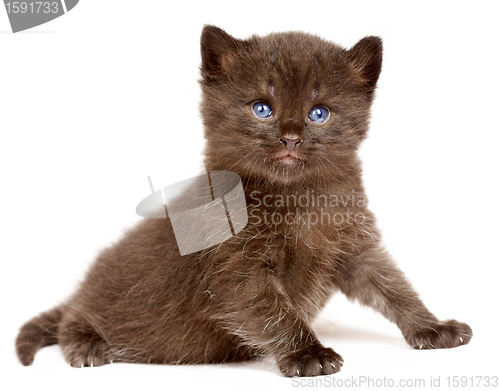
<point>291,143</point>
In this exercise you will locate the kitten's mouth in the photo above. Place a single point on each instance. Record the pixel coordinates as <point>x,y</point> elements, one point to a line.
<point>288,157</point>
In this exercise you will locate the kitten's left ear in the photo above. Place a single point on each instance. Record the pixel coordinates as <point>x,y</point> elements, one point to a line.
<point>217,51</point>
<point>366,57</point>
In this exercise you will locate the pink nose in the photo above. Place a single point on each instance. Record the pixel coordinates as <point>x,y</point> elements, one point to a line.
<point>291,143</point>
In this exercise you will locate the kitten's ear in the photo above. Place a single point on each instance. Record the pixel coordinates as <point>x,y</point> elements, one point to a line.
<point>217,51</point>
<point>366,56</point>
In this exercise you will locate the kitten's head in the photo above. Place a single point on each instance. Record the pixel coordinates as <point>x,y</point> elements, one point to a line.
<point>286,108</point>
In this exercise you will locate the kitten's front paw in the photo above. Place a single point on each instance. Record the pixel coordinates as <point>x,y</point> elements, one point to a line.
<point>313,361</point>
<point>447,334</point>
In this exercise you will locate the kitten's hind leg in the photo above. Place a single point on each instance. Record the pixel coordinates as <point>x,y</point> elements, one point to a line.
<point>375,281</point>
<point>82,346</point>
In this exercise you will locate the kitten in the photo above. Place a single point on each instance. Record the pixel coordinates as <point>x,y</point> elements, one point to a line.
<point>287,113</point>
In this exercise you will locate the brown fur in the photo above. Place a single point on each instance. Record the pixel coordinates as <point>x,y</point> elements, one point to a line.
<point>257,292</point>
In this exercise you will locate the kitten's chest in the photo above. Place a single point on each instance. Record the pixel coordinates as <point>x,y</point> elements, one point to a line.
<point>304,266</point>
<point>305,243</point>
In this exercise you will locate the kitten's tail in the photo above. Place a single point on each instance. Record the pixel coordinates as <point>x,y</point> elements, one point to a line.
<point>38,332</point>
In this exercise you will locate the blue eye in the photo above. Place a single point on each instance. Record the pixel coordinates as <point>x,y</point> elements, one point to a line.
<point>262,109</point>
<point>319,114</point>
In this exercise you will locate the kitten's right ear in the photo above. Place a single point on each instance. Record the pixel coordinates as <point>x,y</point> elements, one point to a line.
<point>366,56</point>
<point>217,50</point>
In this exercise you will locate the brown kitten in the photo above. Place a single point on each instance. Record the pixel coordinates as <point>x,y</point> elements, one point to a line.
<point>287,113</point>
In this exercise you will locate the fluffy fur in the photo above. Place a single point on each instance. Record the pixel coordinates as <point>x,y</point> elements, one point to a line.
<point>309,235</point>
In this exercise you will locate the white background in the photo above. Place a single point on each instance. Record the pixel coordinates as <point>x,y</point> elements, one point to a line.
<point>93,102</point>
